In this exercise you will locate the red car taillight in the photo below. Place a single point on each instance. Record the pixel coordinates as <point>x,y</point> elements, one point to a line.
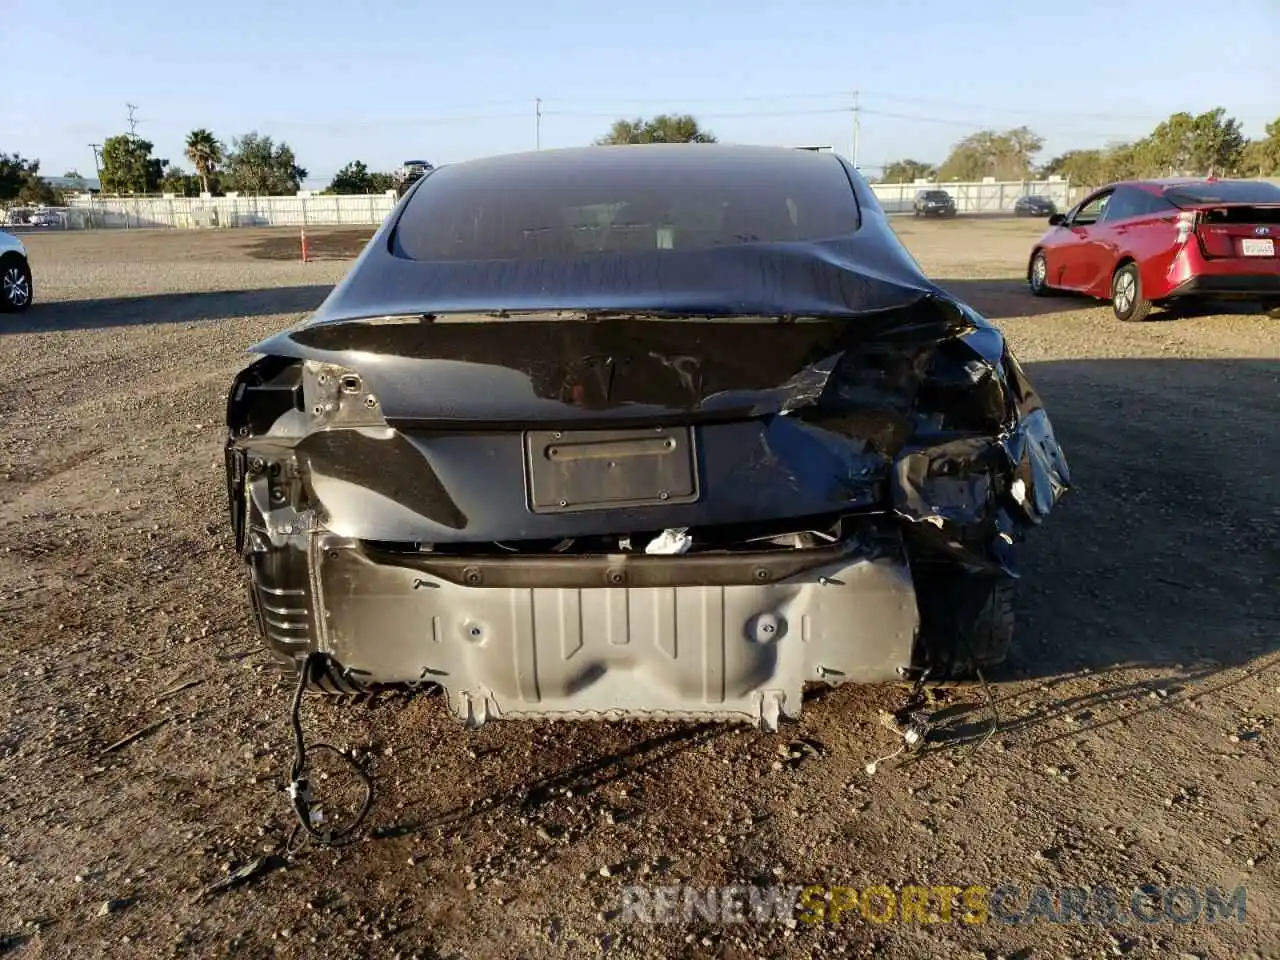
<point>1186,225</point>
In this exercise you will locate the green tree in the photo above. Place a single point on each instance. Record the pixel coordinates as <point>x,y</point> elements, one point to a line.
<point>256,164</point>
<point>355,177</point>
<point>16,174</point>
<point>205,152</point>
<point>1083,167</point>
<point>664,128</point>
<point>176,180</point>
<point>1123,161</point>
<point>987,153</point>
<point>1261,158</point>
<point>907,171</point>
<point>128,167</point>
<point>20,180</point>
<point>36,190</point>
<point>1198,146</point>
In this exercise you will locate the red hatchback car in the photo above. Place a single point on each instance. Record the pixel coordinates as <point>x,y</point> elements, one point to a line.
<point>1146,243</point>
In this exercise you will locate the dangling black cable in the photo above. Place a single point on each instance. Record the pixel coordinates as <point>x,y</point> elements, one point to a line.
<point>299,781</point>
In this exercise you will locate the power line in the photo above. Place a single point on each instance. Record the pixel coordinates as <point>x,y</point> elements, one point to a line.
<point>1155,115</point>
<point>707,116</point>
<point>346,125</point>
<point>843,94</point>
<point>564,107</point>
<point>847,95</point>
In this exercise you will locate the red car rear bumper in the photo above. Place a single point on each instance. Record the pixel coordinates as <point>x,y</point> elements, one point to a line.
<point>1193,274</point>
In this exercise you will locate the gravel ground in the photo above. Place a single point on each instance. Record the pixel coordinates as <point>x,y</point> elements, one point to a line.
<point>1137,742</point>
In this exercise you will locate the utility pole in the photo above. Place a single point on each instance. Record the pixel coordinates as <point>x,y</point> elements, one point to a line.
<point>537,112</point>
<point>856,126</point>
<point>97,167</point>
<point>133,123</point>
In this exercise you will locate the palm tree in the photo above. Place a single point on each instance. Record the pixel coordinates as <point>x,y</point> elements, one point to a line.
<point>205,153</point>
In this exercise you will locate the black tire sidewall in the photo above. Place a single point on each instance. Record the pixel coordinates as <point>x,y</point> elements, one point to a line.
<point>1137,292</point>
<point>8,262</point>
<point>1031,273</point>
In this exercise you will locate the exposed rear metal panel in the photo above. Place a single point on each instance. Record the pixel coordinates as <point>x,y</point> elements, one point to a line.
<point>740,652</point>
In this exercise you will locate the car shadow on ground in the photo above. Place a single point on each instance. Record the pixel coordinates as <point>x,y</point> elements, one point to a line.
<point>1009,297</point>
<point>579,780</point>
<point>163,308</point>
<point>1162,557</point>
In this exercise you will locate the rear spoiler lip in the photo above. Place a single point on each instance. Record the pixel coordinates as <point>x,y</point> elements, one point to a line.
<point>1206,205</point>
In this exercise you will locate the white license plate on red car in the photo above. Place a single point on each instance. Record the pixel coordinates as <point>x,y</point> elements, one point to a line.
<point>1255,247</point>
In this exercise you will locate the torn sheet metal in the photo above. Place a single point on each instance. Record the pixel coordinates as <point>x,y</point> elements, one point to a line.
<point>929,412</point>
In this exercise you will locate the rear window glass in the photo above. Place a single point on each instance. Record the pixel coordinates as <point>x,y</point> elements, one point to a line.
<point>565,203</point>
<point>1224,191</point>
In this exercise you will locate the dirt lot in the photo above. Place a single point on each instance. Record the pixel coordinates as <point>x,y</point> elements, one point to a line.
<point>1137,741</point>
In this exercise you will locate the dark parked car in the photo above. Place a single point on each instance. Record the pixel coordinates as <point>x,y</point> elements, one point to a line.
<point>1034,206</point>
<point>410,172</point>
<point>668,430</point>
<point>1149,243</point>
<point>934,203</point>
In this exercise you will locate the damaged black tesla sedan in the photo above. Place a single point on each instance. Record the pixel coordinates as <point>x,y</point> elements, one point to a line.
<point>666,430</point>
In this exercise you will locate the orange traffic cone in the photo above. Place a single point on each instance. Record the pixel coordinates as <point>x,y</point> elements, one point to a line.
<point>304,244</point>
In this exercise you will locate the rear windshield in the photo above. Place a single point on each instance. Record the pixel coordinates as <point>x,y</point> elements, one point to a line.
<point>564,203</point>
<point>1223,191</point>
<point>936,195</point>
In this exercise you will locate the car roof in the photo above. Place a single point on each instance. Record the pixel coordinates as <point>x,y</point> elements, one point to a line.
<point>643,158</point>
<point>1162,184</point>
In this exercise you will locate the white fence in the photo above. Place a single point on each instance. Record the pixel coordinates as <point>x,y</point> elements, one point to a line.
<point>87,212</point>
<point>231,211</point>
<point>90,211</point>
<point>989,197</point>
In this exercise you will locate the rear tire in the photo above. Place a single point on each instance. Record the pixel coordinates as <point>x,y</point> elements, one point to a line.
<point>1127,301</point>
<point>966,622</point>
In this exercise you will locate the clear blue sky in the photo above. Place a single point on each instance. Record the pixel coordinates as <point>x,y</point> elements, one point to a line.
<point>384,81</point>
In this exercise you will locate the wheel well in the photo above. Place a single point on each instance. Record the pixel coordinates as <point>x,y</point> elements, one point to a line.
<point>1123,261</point>
<point>1032,259</point>
<point>12,255</point>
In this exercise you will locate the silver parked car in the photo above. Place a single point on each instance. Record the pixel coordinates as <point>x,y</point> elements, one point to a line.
<point>15,275</point>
